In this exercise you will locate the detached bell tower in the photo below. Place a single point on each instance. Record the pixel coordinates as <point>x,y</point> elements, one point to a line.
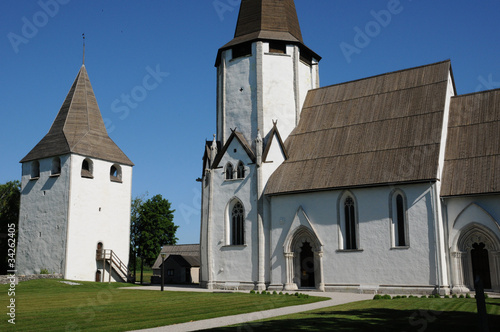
<point>264,73</point>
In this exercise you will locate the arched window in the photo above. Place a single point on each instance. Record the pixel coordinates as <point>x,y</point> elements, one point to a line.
<point>350,223</point>
<point>399,224</point>
<point>35,169</point>
<point>115,173</point>
<point>237,224</point>
<point>56,166</point>
<point>240,172</point>
<point>87,168</point>
<point>229,171</point>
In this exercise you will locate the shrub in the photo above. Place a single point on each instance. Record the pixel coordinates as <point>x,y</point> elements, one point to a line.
<point>252,292</point>
<point>263,292</point>
<point>462,296</point>
<point>44,271</point>
<point>386,297</point>
<point>467,296</point>
<point>377,297</point>
<point>275,293</point>
<point>423,297</point>
<point>454,296</point>
<point>396,297</point>
<point>403,296</point>
<point>280,293</point>
<point>446,296</point>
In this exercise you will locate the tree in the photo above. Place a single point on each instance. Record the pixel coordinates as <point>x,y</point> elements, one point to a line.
<point>155,228</point>
<point>10,198</point>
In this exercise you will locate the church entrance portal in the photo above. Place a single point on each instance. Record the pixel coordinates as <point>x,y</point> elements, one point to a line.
<point>481,264</point>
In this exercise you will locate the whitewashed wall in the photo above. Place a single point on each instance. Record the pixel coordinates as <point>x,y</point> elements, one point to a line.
<point>377,263</point>
<point>99,211</point>
<point>42,219</point>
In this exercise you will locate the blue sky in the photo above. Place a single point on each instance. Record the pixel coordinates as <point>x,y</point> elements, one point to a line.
<point>163,130</point>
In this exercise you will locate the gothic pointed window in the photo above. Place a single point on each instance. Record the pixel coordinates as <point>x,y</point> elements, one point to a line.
<point>350,223</point>
<point>237,224</point>
<point>240,172</point>
<point>87,168</point>
<point>35,169</point>
<point>229,171</point>
<point>399,224</point>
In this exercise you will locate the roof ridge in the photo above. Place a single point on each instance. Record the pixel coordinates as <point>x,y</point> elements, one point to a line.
<point>476,93</point>
<point>383,74</point>
<point>367,96</point>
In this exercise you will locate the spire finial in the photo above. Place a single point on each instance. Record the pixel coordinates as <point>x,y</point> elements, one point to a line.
<point>83,36</point>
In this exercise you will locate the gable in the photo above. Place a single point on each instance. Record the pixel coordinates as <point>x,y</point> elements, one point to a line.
<point>236,148</point>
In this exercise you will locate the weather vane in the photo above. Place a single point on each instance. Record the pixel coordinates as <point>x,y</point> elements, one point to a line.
<point>83,36</point>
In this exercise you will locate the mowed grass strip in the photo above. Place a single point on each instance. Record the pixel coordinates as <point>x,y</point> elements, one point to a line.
<point>413,314</point>
<point>49,305</point>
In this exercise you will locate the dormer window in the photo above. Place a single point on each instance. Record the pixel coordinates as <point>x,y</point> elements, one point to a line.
<point>242,50</point>
<point>87,168</point>
<point>35,170</point>
<point>277,47</point>
<point>229,171</point>
<point>240,171</point>
<point>56,167</point>
<point>115,173</point>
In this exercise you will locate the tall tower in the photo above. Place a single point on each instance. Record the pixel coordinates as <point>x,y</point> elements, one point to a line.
<point>263,76</point>
<point>264,72</point>
<point>75,194</point>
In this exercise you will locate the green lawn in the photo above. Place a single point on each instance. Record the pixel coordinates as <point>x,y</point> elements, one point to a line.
<point>385,315</point>
<point>49,305</point>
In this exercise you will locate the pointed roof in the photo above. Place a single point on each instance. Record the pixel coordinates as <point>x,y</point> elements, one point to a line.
<point>243,142</point>
<point>79,128</point>
<point>267,20</point>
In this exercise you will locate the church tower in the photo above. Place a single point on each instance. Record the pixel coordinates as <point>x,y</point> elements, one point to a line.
<point>263,76</point>
<point>75,195</point>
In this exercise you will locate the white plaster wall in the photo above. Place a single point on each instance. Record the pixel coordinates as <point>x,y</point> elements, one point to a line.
<point>42,219</point>
<point>99,212</point>
<point>240,96</point>
<point>234,263</point>
<point>278,89</point>
<point>377,263</point>
<point>306,81</point>
<point>275,158</point>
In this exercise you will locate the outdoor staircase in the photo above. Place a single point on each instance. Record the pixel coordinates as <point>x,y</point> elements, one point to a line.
<point>109,258</point>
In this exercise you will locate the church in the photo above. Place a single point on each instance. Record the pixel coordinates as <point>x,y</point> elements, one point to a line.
<point>388,184</point>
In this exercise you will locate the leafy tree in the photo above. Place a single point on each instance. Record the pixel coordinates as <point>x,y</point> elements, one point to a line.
<point>134,231</point>
<point>10,198</point>
<point>155,228</point>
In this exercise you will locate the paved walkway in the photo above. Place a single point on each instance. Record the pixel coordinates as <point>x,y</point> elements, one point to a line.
<point>335,299</point>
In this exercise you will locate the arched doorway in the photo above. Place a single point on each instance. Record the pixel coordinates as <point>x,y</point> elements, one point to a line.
<point>477,255</point>
<point>303,260</point>
<point>98,276</point>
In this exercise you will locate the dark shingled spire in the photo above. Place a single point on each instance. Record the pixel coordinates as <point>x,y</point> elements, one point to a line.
<point>79,128</point>
<point>267,20</point>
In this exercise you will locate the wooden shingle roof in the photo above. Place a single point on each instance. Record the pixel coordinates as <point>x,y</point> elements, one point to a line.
<point>185,250</point>
<point>379,130</point>
<point>267,20</point>
<point>79,128</point>
<point>472,159</point>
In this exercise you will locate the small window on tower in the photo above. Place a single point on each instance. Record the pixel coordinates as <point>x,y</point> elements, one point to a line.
<point>242,50</point>
<point>87,168</point>
<point>277,47</point>
<point>115,173</point>
<point>56,167</point>
<point>35,170</point>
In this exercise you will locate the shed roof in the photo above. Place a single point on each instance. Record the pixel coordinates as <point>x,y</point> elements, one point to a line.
<point>79,128</point>
<point>192,250</point>
<point>472,159</point>
<point>379,130</point>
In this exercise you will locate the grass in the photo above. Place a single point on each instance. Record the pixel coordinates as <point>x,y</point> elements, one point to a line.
<point>49,305</point>
<point>147,273</point>
<point>385,315</point>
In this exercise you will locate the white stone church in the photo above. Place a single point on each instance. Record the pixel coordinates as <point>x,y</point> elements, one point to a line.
<point>389,183</point>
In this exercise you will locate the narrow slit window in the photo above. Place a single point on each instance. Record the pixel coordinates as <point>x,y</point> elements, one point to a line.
<point>35,169</point>
<point>237,225</point>
<point>56,166</point>
<point>240,174</point>
<point>350,224</point>
<point>229,171</point>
